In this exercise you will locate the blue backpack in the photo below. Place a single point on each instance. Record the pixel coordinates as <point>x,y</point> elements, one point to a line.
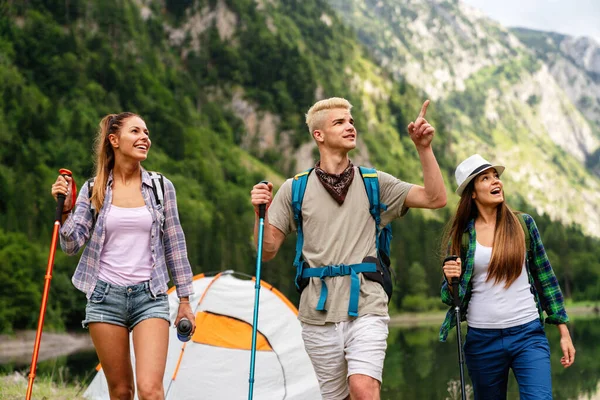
<point>377,270</point>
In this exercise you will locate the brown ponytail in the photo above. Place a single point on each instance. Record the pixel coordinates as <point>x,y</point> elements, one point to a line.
<point>105,155</point>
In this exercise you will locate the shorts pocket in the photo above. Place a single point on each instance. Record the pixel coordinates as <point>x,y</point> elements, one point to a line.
<point>163,297</point>
<point>158,297</point>
<point>309,331</point>
<point>99,294</point>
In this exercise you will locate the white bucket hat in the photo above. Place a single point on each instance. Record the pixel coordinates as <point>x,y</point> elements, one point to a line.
<point>470,168</point>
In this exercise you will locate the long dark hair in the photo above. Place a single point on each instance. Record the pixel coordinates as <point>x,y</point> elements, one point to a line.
<point>508,253</point>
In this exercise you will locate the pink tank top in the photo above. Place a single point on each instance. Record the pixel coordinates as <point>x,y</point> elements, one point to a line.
<point>126,258</point>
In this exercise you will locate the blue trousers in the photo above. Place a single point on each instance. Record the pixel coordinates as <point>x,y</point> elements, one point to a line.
<point>490,353</point>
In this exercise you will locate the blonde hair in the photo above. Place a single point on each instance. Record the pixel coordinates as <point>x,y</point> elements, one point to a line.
<point>105,154</point>
<point>316,114</point>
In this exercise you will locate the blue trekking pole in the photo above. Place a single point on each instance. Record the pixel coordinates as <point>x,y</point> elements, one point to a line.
<point>261,225</point>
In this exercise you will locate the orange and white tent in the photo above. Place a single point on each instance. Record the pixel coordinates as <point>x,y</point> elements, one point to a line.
<point>215,363</point>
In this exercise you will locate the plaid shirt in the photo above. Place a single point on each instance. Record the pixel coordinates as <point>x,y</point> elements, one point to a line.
<point>549,300</point>
<point>167,240</point>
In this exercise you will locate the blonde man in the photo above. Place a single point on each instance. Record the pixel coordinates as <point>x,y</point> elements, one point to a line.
<point>346,346</point>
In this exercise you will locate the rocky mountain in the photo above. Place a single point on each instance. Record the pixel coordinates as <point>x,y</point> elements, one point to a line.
<point>573,62</point>
<point>501,98</point>
<point>575,65</point>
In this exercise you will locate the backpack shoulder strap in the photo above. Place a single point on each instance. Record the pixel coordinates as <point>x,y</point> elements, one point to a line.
<point>298,188</point>
<point>383,236</point>
<point>90,183</point>
<point>371,181</point>
<point>158,187</point>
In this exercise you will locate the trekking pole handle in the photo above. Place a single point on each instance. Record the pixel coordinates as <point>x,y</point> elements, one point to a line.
<point>262,208</point>
<point>60,198</point>
<point>454,283</point>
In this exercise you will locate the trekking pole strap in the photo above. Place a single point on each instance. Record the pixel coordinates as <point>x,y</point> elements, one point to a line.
<point>340,270</point>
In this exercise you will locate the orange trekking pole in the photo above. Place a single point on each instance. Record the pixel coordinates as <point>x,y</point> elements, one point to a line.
<point>38,335</point>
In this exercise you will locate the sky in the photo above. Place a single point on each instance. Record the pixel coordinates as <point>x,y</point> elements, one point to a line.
<point>571,17</point>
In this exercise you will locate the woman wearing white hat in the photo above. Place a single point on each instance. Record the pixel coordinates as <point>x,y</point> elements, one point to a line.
<point>504,288</point>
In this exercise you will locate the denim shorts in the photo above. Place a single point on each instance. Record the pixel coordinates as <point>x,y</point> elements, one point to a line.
<point>125,306</point>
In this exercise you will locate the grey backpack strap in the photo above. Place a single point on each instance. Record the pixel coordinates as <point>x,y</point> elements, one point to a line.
<point>90,183</point>
<point>158,187</point>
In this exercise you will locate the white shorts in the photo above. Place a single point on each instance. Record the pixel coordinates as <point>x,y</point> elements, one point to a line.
<point>346,348</point>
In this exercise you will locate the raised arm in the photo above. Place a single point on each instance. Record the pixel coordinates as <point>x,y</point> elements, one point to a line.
<point>433,192</point>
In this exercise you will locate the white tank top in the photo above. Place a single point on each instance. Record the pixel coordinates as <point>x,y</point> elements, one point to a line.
<point>494,307</point>
<point>126,258</point>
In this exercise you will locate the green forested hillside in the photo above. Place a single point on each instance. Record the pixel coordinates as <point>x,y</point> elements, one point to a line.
<point>185,67</point>
<point>500,98</point>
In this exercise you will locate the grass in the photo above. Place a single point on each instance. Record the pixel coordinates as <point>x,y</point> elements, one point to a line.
<point>583,309</point>
<point>417,319</point>
<point>14,387</point>
<point>586,303</point>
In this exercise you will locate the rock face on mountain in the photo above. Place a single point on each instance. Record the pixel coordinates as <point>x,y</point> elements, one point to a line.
<point>534,111</point>
<point>585,52</point>
<point>435,45</point>
<point>574,63</point>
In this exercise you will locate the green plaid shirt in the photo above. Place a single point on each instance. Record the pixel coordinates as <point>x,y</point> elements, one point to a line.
<point>548,296</point>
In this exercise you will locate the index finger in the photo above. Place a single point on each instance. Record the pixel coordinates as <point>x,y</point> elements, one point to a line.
<point>423,109</point>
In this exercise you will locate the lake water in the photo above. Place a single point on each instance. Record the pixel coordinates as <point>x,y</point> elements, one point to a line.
<point>417,365</point>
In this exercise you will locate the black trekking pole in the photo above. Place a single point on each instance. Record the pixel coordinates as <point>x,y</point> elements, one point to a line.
<point>262,208</point>
<point>461,360</point>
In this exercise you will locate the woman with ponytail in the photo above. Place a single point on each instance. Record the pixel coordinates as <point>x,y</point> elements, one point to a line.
<point>503,289</point>
<point>133,242</point>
